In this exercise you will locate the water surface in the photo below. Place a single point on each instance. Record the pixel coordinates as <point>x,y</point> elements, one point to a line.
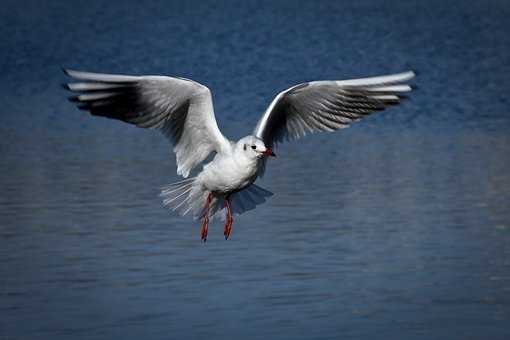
<point>397,227</point>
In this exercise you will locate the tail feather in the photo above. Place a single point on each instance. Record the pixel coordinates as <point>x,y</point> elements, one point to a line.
<point>248,198</point>
<point>168,191</point>
<point>176,184</point>
<point>189,196</point>
<point>172,199</point>
<point>178,196</point>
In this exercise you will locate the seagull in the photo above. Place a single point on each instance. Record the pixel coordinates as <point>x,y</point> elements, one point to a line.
<point>182,109</point>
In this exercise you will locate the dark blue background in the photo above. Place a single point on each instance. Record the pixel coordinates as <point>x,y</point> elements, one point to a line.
<point>396,228</point>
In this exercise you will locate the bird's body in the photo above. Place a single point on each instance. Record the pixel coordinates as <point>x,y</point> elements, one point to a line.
<point>229,172</point>
<point>182,109</point>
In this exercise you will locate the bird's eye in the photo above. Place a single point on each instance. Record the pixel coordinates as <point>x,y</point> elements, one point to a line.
<point>244,147</point>
<point>254,147</point>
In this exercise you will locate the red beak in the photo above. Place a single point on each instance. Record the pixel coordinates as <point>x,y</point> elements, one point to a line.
<point>269,152</point>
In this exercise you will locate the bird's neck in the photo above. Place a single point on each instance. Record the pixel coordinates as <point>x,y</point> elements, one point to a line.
<point>245,161</point>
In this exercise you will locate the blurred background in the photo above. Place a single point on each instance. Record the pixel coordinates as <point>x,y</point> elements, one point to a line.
<point>398,227</point>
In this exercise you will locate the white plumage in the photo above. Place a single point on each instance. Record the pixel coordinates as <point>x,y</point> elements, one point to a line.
<point>183,110</point>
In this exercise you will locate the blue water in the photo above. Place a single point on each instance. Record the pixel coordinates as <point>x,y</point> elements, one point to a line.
<point>396,228</point>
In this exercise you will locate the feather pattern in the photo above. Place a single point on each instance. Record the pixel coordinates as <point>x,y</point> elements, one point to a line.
<point>182,109</point>
<point>328,105</point>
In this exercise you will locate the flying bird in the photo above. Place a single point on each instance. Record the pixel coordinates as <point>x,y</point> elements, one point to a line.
<point>182,110</point>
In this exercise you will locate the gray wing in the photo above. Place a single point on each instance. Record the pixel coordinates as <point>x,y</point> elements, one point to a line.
<point>328,105</point>
<point>182,109</point>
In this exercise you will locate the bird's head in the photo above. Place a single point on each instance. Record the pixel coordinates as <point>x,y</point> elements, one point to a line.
<point>254,147</point>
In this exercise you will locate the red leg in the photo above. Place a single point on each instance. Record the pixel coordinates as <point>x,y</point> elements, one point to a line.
<point>205,221</point>
<point>230,220</point>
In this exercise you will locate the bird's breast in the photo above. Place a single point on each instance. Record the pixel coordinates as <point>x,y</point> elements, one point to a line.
<point>228,175</point>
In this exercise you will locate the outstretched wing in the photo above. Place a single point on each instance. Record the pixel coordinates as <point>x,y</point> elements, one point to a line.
<point>328,105</point>
<point>182,109</point>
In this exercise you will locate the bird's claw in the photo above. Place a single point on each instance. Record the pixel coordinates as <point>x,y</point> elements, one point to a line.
<point>228,228</point>
<point>204,230</point>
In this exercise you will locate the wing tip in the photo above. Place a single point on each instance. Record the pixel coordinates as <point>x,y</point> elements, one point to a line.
<point>405,76</point>
<point>71,73</point>
<point>74,99</point>
<point>67,71</point>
